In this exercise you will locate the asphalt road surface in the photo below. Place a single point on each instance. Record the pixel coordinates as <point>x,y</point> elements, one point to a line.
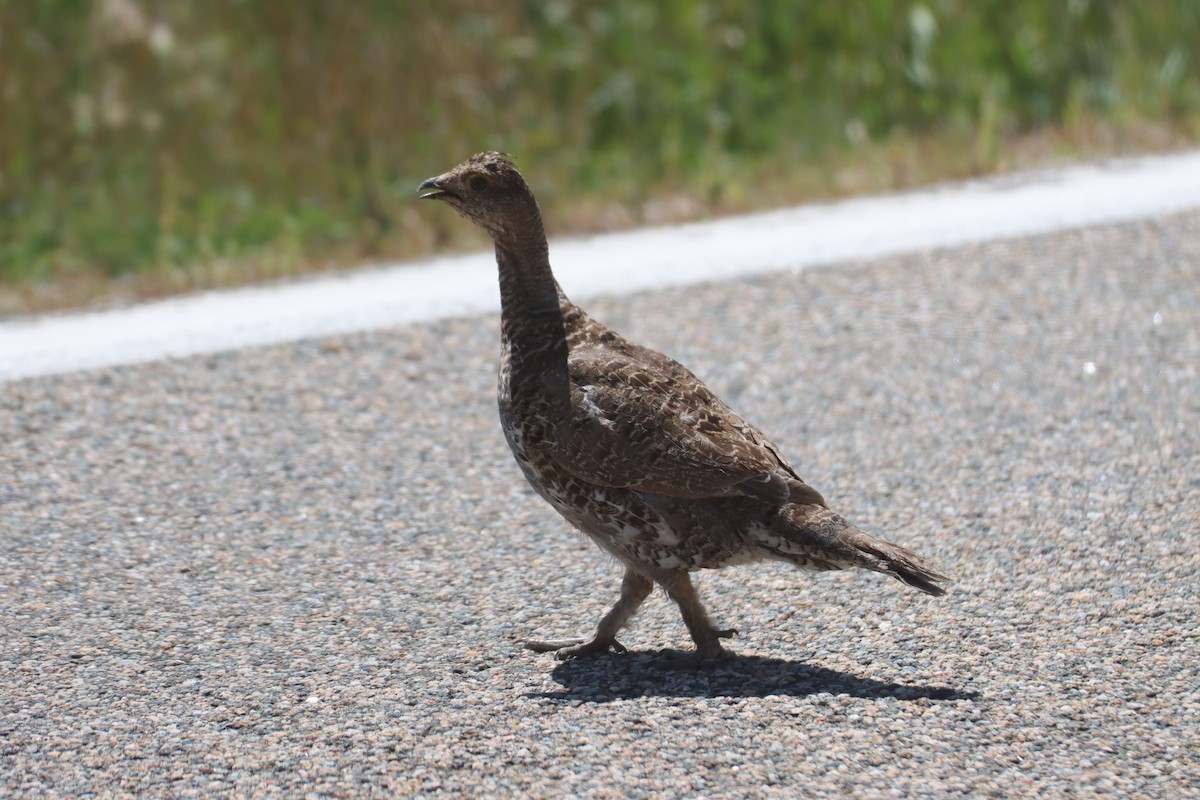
<point>305,569</point>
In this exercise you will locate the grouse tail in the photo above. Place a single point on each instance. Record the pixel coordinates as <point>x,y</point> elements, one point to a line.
<point>816,538</point>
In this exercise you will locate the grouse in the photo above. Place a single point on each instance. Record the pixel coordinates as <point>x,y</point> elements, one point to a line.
<point>631,448</point>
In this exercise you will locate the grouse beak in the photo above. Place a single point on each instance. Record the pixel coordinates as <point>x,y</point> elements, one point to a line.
<point>438,192</point>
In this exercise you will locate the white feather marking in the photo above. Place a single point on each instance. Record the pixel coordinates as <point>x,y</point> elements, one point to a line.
<point>594,411</point>
<point>668,562</point>
<point>664,536</point>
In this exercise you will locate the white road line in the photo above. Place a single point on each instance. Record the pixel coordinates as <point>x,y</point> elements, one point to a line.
<point>1022,204</point>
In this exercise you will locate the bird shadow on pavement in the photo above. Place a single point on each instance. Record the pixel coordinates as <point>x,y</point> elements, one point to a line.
<point>612,676</point>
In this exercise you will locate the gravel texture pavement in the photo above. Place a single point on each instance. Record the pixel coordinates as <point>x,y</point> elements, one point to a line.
<point>304,570</point>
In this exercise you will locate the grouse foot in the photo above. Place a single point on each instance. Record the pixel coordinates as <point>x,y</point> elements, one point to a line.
<point>573,648</point>
<point>704,654</point>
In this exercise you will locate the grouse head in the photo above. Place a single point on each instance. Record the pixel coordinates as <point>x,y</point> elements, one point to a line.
<point>487,190</point>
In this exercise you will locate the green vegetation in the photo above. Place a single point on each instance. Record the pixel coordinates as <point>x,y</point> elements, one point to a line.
<point>200,144</point>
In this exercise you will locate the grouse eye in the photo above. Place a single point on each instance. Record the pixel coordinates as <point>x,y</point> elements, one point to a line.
<point>479,183</point>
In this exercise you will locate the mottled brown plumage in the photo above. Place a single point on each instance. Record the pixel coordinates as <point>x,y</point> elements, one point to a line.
<point>631,448</point>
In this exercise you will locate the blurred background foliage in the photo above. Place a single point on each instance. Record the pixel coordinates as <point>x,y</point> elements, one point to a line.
<point>149,146</point>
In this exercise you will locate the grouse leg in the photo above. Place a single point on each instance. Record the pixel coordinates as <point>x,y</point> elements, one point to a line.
<point>635,588</point>
<point>704,634</point>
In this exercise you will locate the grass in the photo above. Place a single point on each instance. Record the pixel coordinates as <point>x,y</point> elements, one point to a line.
<point>155,147</point>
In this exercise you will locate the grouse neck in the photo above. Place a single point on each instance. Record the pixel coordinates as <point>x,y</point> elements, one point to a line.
<point>531,318</point>
<point>528,291</point>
